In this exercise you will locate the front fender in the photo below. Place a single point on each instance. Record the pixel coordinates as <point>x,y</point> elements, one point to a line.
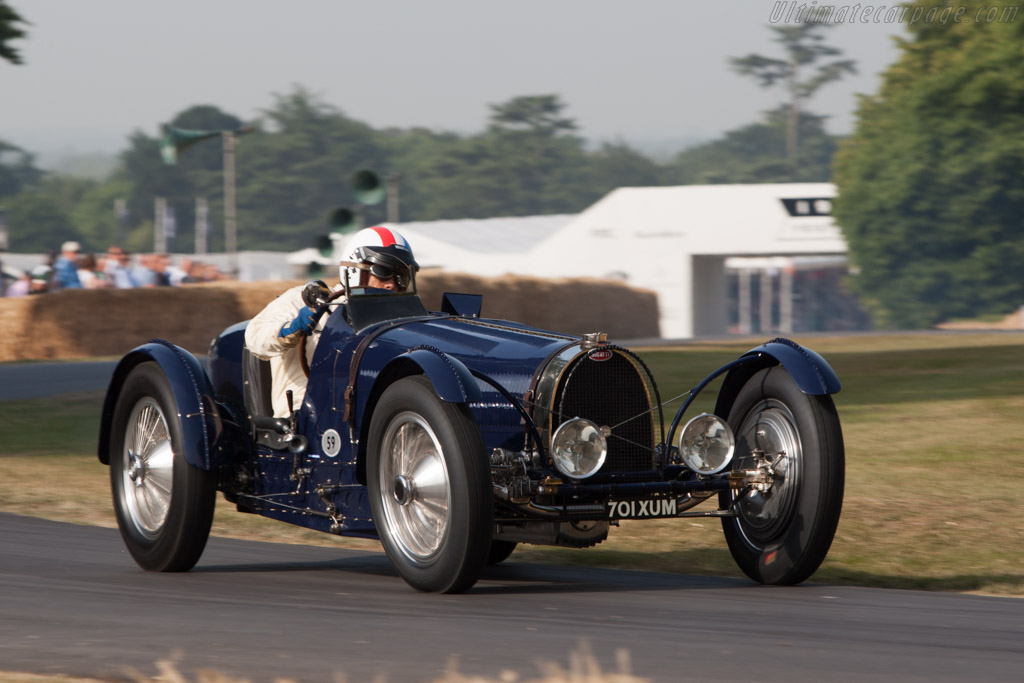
<point>193,396</point>
<point>811,373</point>
<point>451,379</point>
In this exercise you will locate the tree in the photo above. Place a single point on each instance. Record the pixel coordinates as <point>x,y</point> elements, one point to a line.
<point>534,159</point>
<point>414,154</point>
<point>17,170</point>
<point>526,162</point>
<point>930,194</point>
<point>616,164</point>
<point>9,31</point>
<point>803,46</point>
<point>539,115</point>
<point>198,172</point>
<point>751,154</point>
<point>292,177</point>
<point>97,222</point>
<point>297,169</point>
<point>37,222</point>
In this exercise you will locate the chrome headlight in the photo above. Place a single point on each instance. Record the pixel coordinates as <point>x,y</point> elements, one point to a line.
<point>707,444</point>
<point>578,448</point>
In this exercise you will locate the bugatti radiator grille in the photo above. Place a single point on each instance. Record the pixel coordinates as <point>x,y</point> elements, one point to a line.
<point>609,389</point>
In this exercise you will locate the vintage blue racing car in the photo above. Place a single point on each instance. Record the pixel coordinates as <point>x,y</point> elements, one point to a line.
<point>452,438</point>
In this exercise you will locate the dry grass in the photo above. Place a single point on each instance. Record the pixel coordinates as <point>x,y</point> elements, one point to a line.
<point>21,677</point>
<point>583,668</point>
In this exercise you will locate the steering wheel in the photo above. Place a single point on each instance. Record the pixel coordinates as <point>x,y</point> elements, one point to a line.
<point>316,295</point>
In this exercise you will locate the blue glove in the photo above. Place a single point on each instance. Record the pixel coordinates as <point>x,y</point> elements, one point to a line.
<point>303,323</point>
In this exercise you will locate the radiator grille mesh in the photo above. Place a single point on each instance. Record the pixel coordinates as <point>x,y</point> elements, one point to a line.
<point>611,393</point>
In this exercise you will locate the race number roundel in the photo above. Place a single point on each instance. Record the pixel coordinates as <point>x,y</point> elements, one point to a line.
<point>331,443</point>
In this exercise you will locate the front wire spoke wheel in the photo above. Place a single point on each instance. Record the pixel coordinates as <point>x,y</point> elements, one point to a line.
<point>429,483</point>
<point>417,507</point>
<point>782,534</point>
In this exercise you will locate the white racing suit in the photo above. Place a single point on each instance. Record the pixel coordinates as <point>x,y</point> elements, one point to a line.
<point>262,338</point>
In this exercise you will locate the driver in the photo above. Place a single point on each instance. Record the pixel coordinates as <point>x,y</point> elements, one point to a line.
<point>375,257</point>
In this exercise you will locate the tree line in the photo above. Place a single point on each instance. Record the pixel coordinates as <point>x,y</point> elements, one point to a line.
<point>293,172</point>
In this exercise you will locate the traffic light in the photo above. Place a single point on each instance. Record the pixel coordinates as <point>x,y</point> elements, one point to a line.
<point>324,245</point>
<point>343,219</point>
<point>367,187</point>
<point>175,140</point>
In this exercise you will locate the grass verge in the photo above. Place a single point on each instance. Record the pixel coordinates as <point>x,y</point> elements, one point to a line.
<point>932,426</point>
<point>583,667</point>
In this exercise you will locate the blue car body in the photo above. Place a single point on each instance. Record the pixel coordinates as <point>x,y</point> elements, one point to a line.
<point>518,382</point>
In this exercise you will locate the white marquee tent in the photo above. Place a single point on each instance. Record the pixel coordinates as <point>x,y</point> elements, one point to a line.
<point>673,240</point>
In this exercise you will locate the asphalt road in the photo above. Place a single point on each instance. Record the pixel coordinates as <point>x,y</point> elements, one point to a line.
<point>73,602</point>
<point>37,380</point>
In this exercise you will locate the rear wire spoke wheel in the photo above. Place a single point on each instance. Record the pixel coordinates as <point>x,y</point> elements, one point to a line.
<point>429,487</point>
<point>147,472</point>
<point>164,506</point>
<point>781,536</point>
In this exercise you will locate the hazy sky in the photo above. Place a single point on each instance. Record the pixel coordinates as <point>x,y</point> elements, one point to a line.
<point>639,70</point>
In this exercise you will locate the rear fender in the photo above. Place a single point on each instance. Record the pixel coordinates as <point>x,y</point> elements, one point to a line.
<point>197,411</point>
<point>811,373</point>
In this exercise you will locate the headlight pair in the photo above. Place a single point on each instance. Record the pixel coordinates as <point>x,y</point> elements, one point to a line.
<point>579,447</point>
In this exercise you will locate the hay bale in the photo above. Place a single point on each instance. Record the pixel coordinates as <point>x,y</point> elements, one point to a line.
<point>110,322</point>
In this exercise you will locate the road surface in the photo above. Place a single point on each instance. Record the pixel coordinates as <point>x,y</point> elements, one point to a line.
<point>73,602</point>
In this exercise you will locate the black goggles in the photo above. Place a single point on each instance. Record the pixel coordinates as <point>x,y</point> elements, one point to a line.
<point>381,272</point>
<point>384,273</point>
<point>385,267</point>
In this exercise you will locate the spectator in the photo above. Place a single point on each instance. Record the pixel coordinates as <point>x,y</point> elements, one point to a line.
<point>41,280</point>
<point>7,276</point>
<point>178,274</point>
<point>20,286</point>
<point>66,267</point>
<point>118,268</point>
<point>160,265</point>
<point>196,273</point>
<point>89,273</point>
<point>211,274</point>
<point>143,272</point>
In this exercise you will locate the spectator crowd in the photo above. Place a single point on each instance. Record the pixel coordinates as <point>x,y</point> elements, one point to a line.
<point>72,268</point>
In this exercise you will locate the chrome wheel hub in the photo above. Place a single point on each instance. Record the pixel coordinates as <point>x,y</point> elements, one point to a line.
<point>135,468</point>
<point>403,490</point>
<point>768,440</point>
<point>417,506</point>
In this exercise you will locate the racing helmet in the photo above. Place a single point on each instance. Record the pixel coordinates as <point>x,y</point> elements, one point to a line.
<point>381,252</point>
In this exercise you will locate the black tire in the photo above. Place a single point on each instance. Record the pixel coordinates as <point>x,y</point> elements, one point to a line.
<point>782,536</point>
<point>500,550</point>
<point>437,538</point>
<point>164,506</point>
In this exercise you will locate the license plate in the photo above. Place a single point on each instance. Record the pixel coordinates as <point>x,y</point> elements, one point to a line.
<point>642,509</point>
